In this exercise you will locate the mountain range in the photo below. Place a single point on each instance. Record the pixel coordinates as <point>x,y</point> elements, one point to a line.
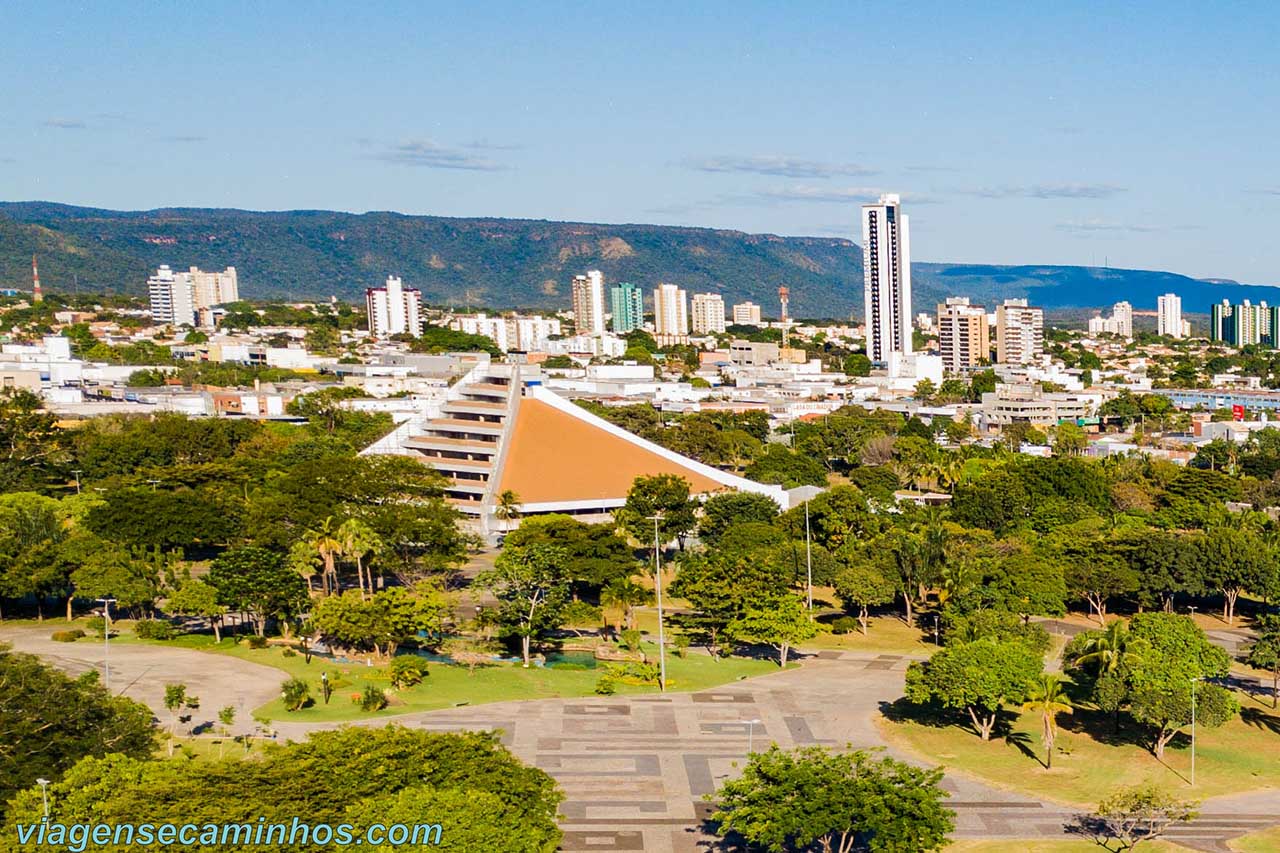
<point>503,263</point>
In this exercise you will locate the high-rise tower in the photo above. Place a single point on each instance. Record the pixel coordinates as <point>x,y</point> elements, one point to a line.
<point>886,278</point>
<point>37,295</point>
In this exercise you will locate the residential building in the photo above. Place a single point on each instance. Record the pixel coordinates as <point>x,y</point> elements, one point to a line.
<point>886,278</point>
<point>187,298</point>
<point>964,337</point>
<point>708,313</point>
<point>1019,332</point>
<point>515,332</point>
<point>1169,317</point>
<point>394,309</point>
<point>746,314</point>
<point>172,298</point>
<point>1244,324</point>
<point>670,312</point>
<point>626,302</point>
<point>752,353</point>
<point>1119,323</point>
<point>588,303</point>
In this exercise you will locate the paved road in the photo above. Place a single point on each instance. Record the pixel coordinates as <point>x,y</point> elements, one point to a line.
<point>140,671</point>
<point>635,769</point>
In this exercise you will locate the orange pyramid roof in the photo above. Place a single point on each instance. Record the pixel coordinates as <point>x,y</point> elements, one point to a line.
<point>554,457</point>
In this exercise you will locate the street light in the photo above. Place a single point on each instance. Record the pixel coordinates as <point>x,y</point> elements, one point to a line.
<point>106,641</point>
<point>657,585</point>
<point>808,558</point>
<point>77,472</point>
<point>751,731</point>
<point>1193,731</point>
<point>935,630</point>
<point>44,797</point>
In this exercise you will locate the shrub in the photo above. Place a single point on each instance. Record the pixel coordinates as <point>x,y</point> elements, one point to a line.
<point>407,670</point>
<point>372,699</point>
<point>635,673</point>
<point>296,694</point>
<point>66,636</point>
<point>97,625</point>
<point>288,653</point>
<point>680,644</point>
<point>845,625</point>
<point>256,642</point>
<point>154,629</point>
<point>631,639</point>
<point>606,686</point>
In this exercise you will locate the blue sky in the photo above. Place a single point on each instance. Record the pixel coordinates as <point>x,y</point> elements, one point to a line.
<point>1017,133</point>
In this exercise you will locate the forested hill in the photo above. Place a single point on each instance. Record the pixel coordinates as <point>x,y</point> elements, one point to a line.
<point>515,262</point>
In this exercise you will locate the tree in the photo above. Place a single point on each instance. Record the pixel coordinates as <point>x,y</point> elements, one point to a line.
<point>1108,651</point>
<point>662,494</point>
<point>226,719</point>
<point>198,598</point>
<point>184,518</point>
<point>358,540</point>
<point>786,468</point>
<point>723,511</point>
<point>626,594</point>
<point>1132,815</point>
<point>507,506</point>
<point>1099,579</point>
<point>49,721</point>
<point>1232,562</point>
<point>790,801</point>
<point>1047,699</point>
<point>258,582</point>
<point>115,573</point>
<point>860,584</point>
<point>595,555</point>
<point>31,450</point>
<point>175,699</point>
<point>381,622</point>
<point>324,540</point>
<point>531,587</point>
<point>1069,439</point>
<point>1265,651</point>
<point>721,586</point>
<point>980,678</point>
<point>781,623</point>
<point>303,559</point>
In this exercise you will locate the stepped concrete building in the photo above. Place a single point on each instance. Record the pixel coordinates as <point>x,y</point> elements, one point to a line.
<point>500,430</point>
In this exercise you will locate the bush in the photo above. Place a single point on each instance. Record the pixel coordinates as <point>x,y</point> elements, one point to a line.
<point>680,644</point>
<point>407,670</point>
<point>372,699</point>
<point>606,686</point>
<point>256,642</point>
<point>631,639</point>
<point>288,653</point>
<point>845,625</point>
<point>154,629</point>
<point>66,636</point>
<point>97,625</point>
<point>635,673</point>
<point>296,694</point>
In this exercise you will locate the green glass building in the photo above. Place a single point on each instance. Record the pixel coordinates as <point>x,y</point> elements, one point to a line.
<point>626,303</point>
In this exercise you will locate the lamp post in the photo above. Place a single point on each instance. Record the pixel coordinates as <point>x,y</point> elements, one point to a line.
<point>751,732</point>
<point>935,630</point>
<point>44,797</point>
<point>1193,731</point>
<point>808,558</point>
<point>106,641</point>
<point>657,585</point>
<point>77,472</point>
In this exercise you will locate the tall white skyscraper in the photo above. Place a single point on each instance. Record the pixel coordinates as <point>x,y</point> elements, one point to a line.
<point>746,314</point>
<point>670,312</point>
<point>1019,332</point>
<point>1119,323</point>
<point>708,313</point>
<point>394,309</point>
<point>886,278</point>
<point>588,303</point>
<point>1169,316</point>
<point>184,298</point>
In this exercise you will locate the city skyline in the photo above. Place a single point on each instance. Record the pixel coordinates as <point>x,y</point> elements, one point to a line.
<point>1072,177</point>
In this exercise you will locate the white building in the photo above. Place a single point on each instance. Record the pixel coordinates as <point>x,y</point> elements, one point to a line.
<point>588,303</point>
<point>708,313</point>
<point>886,278</point>
<point>509,333</point>
<point>1169,317</point>
<point>394,309</point>
<point>1019,332</point>
<point>186,298</point>
<point>670,312</point>
<point>1119,323</point>
<point>746,314</point>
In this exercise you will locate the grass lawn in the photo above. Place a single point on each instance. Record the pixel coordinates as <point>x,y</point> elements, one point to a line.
<point>1089,760</point>
<point>447,686</point>
<point>1263,841</point>
<point>1056,845</point>
<point>885,634</point>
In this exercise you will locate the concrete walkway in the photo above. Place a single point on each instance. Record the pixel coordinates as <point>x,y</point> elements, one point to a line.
<point>635,769</point>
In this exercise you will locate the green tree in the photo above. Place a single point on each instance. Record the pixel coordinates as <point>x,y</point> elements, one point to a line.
<point>792,801</point>
<point>325,541</point>
<point>1233,562</point>
<point>1265,651</point>
<point>1069,439</point>
<point>258,582</point>
<point>381,622</point>
<point>1047,699</point>
<point>595,555</point>
<point>786,468</point>
<point>781,623</point>
<point>358,540</point>
<point>32,454</point>
<point>175,699</point>
<point>860,583</point>
<point>721,586</point>
<point>979,678</point>
<point>195,597</point>
<point>723,511</point>
<point>49,721</point>
<point>666,495</point>
<point>1129,816</point>
<point>626,594</point>
<point>532,588</point>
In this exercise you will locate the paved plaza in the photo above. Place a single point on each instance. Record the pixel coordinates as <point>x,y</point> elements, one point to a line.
<point>635,769</point>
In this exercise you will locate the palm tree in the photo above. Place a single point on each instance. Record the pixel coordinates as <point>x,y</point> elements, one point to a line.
<point>325,543</point>
<point>302,559</point>
<point>1047,699</point>
<point>627,594</point>
<point>1110,649</point>
<point>507,506</point>
<point>358,539</point>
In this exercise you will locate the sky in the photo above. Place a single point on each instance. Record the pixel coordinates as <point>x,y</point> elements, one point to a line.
<point>1139,135</point>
